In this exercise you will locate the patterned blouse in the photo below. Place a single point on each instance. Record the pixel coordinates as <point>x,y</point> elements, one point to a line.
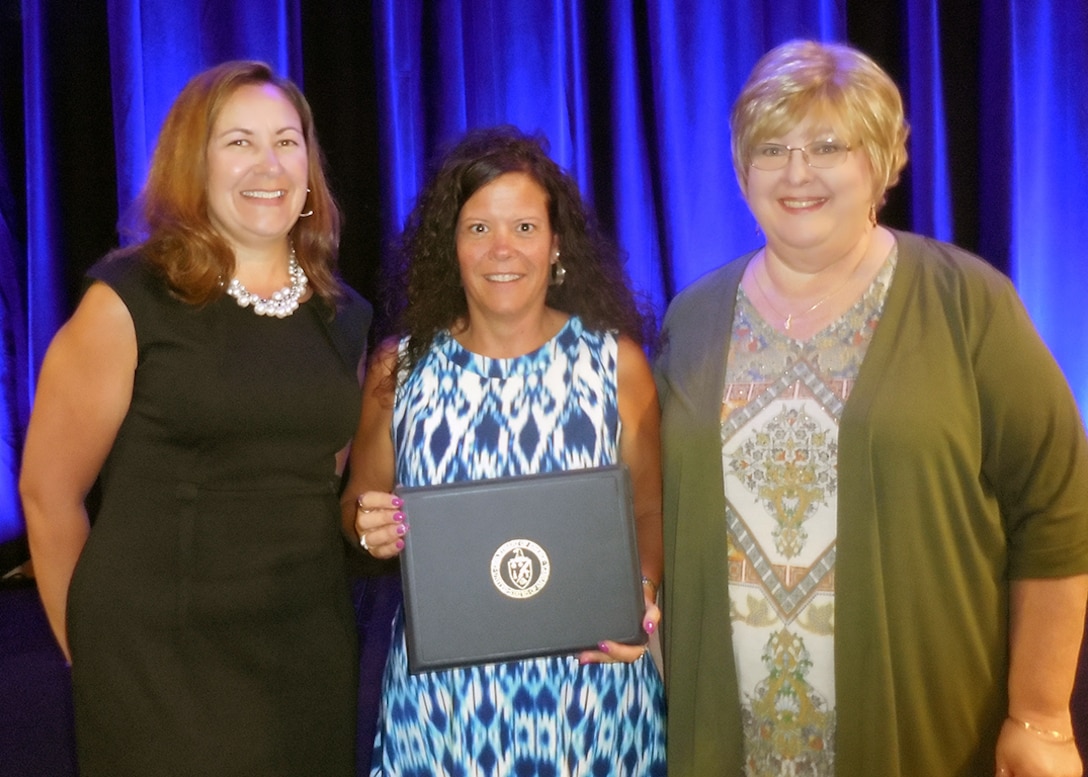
<point>780,421</point>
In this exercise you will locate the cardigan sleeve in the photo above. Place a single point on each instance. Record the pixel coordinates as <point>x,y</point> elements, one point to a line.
<point>1035,450</point>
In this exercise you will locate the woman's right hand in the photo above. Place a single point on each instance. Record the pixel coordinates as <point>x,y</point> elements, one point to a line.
<point>380,526</point>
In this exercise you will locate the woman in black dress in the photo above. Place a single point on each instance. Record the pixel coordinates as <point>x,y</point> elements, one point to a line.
<point>210,378</point>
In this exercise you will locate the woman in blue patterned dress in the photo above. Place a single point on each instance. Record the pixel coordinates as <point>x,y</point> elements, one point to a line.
<point>519,353</point>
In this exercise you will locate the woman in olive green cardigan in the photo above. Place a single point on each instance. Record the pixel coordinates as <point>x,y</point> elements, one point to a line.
<point>954,542</point>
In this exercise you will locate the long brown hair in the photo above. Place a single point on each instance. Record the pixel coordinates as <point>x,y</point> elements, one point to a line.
<point>172,214</point>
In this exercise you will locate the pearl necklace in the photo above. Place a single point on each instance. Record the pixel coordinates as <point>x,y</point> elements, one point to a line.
<point>283,302</point>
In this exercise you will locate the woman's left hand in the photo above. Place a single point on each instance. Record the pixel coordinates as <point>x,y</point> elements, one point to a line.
<point>609,652</point>
<point>1023,753</point>
<point>379,524</point>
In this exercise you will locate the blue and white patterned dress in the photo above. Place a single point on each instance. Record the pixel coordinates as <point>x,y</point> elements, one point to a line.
<point>461,416</point>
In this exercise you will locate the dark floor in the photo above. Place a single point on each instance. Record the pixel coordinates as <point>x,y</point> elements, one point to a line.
<point>35,700</point>
<point>35,695</point>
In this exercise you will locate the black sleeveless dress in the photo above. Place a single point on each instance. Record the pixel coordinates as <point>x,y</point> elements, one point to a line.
<point>209,615</point>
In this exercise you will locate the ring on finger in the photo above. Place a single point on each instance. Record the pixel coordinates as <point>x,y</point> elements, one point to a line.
<point>362,542</point>
<point>359,504</point>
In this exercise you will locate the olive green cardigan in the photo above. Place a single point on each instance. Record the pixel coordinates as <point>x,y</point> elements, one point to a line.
<point>963,464</point>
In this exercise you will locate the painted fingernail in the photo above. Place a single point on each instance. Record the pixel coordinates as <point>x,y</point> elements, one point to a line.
<point>650,627</point>
<point>603,647</point>
<point>401,530</point>
<point>398,502</point>
<point>400,544</point>
<point>398,517</point>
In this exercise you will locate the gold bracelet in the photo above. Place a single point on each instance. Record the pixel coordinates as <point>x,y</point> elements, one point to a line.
<point>651,584</point>
<point>1049,735</point>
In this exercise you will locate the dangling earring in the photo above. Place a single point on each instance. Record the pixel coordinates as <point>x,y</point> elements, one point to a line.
<point>310,212</point>
<point>872,215</point>
<point>559,272</point>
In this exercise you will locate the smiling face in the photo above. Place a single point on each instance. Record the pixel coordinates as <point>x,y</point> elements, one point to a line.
<point>257,167</point>
<point>505,249</point>
<point>803,209</point>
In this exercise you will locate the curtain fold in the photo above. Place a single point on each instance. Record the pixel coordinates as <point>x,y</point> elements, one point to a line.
<point>924,94</point>
<point>14,401</point>
<point>1048,122</point>
<point>633,97</point>
<point>43,284</point>
<point>14,387</point>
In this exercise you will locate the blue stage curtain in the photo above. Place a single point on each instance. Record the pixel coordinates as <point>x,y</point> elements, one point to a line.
<point>634,99</point>
<point>42,283</point>
<point>154,47</point>
<point>924,94</point>
<point>1047,122</point>
<point>656,82</point>
<point>13,382</point>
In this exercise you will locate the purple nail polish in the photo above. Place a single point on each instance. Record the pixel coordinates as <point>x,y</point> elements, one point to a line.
<point>649,627</point>
<point>401,530</point>
<point>398,502</point>
<point>398,517</point>
<point>603,646</point>
<point>400,544</point>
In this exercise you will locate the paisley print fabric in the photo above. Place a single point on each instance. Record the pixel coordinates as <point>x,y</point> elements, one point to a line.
<point>780,426</point>
<point>460,416</point>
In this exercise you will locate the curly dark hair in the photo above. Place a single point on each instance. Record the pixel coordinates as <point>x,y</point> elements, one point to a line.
<point>424,287</point>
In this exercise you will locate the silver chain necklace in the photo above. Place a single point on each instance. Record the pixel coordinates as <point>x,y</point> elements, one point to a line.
<point>283,302</point>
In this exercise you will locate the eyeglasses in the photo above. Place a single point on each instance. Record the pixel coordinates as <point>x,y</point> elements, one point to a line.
<point>819,153</point>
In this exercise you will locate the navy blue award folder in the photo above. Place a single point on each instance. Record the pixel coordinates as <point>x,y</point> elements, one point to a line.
<point>496,570</point>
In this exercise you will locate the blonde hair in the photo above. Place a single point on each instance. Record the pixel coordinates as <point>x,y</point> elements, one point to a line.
<point>180,239</point>
<point>805,80</point>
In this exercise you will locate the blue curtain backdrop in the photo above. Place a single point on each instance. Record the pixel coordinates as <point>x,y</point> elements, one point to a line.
<point>632,96</point>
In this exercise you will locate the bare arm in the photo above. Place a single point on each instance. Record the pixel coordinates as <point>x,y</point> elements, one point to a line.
<point>1045,630</point>
<point>367,505</point>
<point>640,450</point>
<point>84,391</point>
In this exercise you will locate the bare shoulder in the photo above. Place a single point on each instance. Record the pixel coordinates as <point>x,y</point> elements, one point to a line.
<point>83,393</point>
<point>631,360</point>
<point>100,335</point>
